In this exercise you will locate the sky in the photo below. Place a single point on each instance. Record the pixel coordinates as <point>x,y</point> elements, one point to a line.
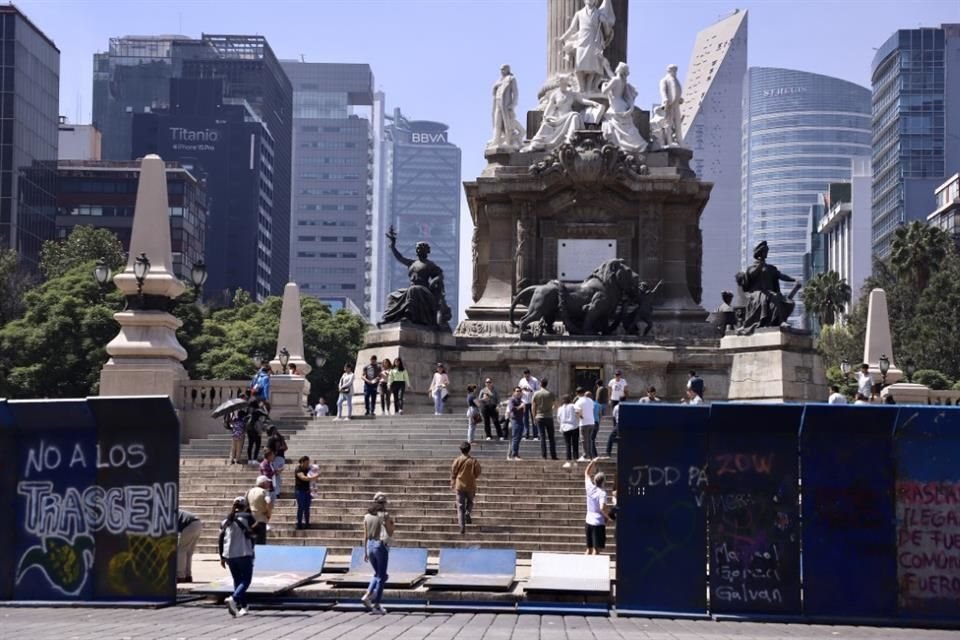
<point>438,59</point>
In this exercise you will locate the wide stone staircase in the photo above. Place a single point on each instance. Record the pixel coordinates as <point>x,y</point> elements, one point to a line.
<point>529,505</point>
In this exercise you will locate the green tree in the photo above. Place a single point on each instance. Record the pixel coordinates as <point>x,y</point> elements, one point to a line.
<point>57,348</point>
<point>15,281</point>
<point>836,344</point>
<point>826,295</point>
<point>84,244</point>
<point>919,249</point>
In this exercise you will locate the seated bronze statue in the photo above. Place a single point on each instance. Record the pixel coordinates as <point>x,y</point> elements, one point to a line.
<point>766,304</point>
<point>424,301</point>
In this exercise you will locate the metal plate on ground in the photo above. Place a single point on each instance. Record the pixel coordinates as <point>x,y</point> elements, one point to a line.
<point>489,569</point>
<point>405,568</point>
<point>569,572</point>
<point>276,569</point>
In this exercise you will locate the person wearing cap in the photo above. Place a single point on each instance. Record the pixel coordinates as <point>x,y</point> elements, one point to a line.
<point>528,386</point>
<point>489,401</point>
<point>235,548</point>
<point>596,521</point>
<point>260,502</point>
<point>378,528</point>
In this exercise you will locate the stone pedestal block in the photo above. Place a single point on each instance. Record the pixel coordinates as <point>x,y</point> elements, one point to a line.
<point>132,376</point>
<point>907,393</point>
<point>774,365</point>
<point>288,396</point>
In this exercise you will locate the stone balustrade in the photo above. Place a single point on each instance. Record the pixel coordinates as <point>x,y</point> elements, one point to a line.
<point>208,394</point>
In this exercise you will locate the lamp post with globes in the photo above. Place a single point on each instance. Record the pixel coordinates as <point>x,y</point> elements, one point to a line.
<point>320,361</point>
<point>198,277</point>
<point>284,357</point>
<point>102,273</point>
<point>141,267</point>
<point>845,367</point>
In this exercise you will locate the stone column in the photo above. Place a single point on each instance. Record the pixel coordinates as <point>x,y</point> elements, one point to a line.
<point>145,356</point>
<point>878,339</point>
<point>617,51</point>
<point>288,393</point>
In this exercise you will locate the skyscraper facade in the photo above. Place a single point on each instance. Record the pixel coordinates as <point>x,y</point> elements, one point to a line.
<point>421,201</point>
<point>136,77</point>
<point>800,132</point>
<point>916,125</point>
<point>333,159</point>
<point>712,115</point>
<point>29,101</point>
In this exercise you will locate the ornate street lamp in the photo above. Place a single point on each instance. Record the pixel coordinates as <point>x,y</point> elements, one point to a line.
<point>845,367</point>
<point>909,368</point>
<point>257,359</point>
<point>884,367</point>
<point>198,276</point>
<point>102,273</point>
<point>320,361</point>
<point>141,267</point>
<point>284,357</point>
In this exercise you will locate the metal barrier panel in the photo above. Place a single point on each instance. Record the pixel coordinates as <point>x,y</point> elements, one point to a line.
<point>927,454</point>
<point>8,489</point>
<point>661,530</point>
<point>849,532</point>
<point>752,509</point>
<point>57,509</point>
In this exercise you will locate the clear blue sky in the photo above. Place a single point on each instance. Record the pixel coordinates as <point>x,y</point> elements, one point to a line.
<point>437,59</point>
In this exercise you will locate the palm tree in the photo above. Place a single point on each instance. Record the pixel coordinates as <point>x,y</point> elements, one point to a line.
<point>826,295</point>
<point>918,249</point>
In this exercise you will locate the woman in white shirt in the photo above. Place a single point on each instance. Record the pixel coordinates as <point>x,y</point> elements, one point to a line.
<point>346,388</point>
<point>438,389</point>
<point>569,427</point>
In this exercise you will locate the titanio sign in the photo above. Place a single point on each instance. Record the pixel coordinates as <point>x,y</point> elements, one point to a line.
<point>184,139</point>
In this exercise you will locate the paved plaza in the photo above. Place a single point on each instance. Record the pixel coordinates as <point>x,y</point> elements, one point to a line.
<point>187,622</point>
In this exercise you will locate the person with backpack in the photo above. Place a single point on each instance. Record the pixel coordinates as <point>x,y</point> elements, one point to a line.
<point>235,548</point>
<point>378,528</point>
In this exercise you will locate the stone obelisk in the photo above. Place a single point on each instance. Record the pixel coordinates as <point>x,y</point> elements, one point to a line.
<point>559,15</point>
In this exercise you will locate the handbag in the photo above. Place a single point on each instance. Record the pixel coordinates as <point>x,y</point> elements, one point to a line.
<point>444,393</point>
<point>384,534</point>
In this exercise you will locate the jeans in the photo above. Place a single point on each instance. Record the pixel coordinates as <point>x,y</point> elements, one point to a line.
<point>343,400</point>
<point>572,440</point>
<point>379,555</point>
<point>303,506</point>
<point>384,398</point>
<point>614,437</point>
<point>588,434</point>
<point>490,414</point>
<point>529,424</point>
<point>545,425</point>
<point>278,462</point>
<point>398,389</point>
<point>370,398</point>
<point>516,434</point>
<point>471,424</point>
<point>253,445</point>
<point>464,508</point>
<point>242,571</point>
<point>438,401</point>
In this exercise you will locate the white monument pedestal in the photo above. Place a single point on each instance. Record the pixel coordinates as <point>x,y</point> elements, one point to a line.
<point>774,366</point>
<point>132,376</point>
<point>907,393</point>
<point>288,396</point>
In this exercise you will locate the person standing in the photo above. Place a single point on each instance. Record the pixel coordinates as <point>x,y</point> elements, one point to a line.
<point>528,385</point>
<point>399,381</point>
<point>278,445</point>
<point>260,502</point>
<point>618,390</point>
<point>517,409</point>
<point>385,374</point>
<point>371,381</point>
<point>238,429</point>
<point>489,403</point>
<point>651,396</point>
<point>596,520</point>
<point>473,412</point>
<point>463,480</point>
<point>254,426</point>
<point>567,416</point>
<point>588,427</point>
<point>302,480</point>
<point>864,381</point>
<point>345,389</point>
<point>543,409</point>
<point>266,466</point>
<point>322,410</point>
<point>835,396</point>
<point>600,396</point>
<point>438,389</point>
<point>378,528</point>
<point>235,548</point>
<point>260,386</point>
<point>188,530</point>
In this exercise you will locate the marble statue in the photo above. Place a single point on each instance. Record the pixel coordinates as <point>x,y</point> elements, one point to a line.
<point>424,301</point>
<point>560,120</point>
<point>507,131</point>
<point>671,97</point>
<point>618,125</point>
<point>660,134</point>
<point>590,32</point>
<point>766,305</point>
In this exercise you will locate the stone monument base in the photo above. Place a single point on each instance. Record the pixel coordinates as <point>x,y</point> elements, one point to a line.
<point>288,396</point>
<point>142,377</point>
<point>774,365</point>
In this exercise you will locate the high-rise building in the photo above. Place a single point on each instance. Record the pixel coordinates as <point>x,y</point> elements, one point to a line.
<point>421,201</point>
<point>78,141</point>
<point>947,214</point>
<point>30,92</point>
<point>229,147</point>
<point>916,125</point>
<point>134,78</point>
<point>104,195</point>
<point>800,132</point>
<point>712,114</point>
<point>333,160</point>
